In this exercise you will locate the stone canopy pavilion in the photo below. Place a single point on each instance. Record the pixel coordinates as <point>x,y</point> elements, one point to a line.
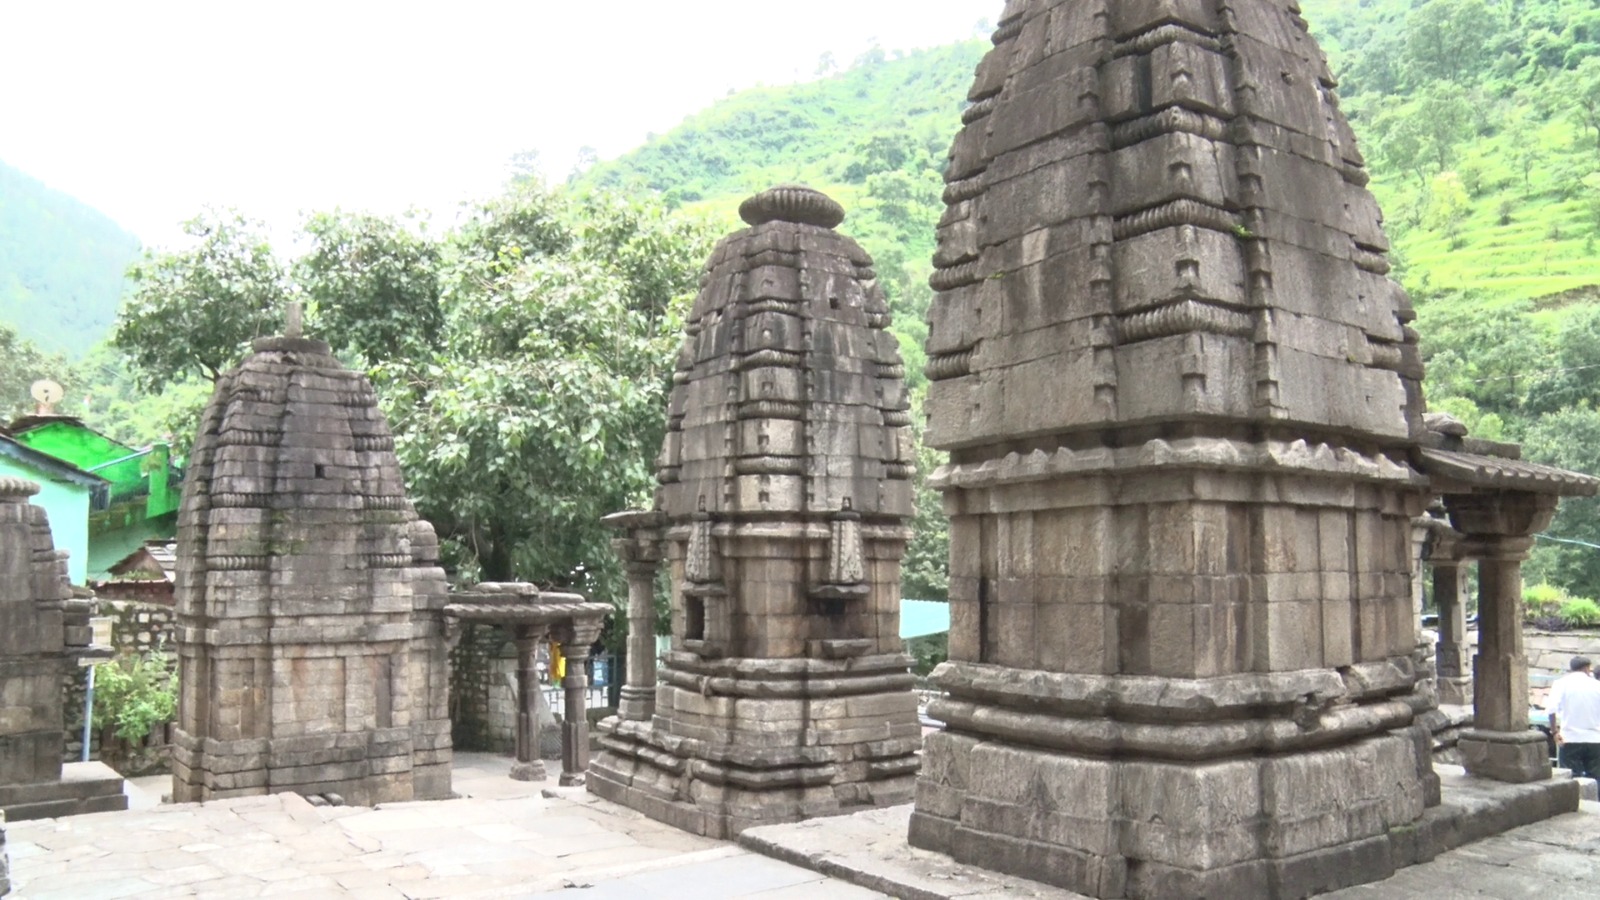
<point>785,491</point>
<point>1183,409</point>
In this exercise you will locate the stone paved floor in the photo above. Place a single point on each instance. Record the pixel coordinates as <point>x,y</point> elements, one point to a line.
<point>504,840</point>
<point>508,839</point>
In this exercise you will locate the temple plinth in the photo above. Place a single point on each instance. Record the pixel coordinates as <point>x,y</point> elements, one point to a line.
<point>785,491</point>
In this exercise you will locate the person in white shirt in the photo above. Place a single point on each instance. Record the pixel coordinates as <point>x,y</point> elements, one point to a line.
<point>1574,705</point>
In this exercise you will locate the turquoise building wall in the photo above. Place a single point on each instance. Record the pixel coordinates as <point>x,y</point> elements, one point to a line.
<point>67,504</point>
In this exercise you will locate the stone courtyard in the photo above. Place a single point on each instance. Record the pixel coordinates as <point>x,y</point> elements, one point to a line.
<point>515,839</point>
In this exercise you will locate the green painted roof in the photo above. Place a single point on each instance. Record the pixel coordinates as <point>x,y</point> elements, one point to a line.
<point>48,466</point>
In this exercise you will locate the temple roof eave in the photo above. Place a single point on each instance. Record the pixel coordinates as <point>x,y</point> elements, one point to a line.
<point>1454,471</point>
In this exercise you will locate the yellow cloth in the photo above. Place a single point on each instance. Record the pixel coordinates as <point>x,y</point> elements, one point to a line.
<point>558,663</point>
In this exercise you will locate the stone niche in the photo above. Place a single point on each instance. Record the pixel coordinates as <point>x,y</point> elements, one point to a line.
<point>785,491</point>
<point>1182,403</point>
<point>312,655</point>
<point>43,633</point>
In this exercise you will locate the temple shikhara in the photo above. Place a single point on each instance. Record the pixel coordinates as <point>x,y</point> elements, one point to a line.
<point>309,597</point>
<point>785,491</point>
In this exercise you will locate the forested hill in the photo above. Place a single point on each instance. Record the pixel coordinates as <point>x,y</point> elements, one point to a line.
<point>874,136</point>
<point>61,265</point>
<point>1480,118</point>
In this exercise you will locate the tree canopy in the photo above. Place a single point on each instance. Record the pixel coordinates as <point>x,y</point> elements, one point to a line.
<point>523,358</point>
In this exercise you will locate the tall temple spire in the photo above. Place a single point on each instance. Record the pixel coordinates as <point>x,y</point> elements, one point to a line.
<point>1157,212</point>
<point>1181,399</point>
<point>785,490</point>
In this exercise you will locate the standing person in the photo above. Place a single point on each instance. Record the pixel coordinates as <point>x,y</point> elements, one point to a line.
<point>1575,718</point>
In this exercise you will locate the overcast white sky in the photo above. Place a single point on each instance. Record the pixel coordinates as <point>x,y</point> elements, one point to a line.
<point>151,110</point>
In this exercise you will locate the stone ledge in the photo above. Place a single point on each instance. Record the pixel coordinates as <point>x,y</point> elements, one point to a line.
<point>869,848</point>
<point>83,788</point>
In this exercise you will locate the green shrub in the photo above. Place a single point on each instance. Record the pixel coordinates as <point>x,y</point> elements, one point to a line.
<point>136,694</point>
<point>1543,601</point>
<point>1580,612</point>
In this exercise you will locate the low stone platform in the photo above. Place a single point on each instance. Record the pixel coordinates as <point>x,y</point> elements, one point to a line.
<point>1556,853</point>
<point>89,787</point>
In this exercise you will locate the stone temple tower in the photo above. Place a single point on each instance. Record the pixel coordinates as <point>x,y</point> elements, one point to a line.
<point>310,603</point>
<point>785,489</point>
<point>1179,394</point>
<point>43,633</point>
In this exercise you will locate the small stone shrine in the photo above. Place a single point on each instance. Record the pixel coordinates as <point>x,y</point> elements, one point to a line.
<point>43,634</point>
<point>310,603</point>
<point>785,491</point>
<point>1495,503</point>
<point>1183,408</point>
<point>533,617</point>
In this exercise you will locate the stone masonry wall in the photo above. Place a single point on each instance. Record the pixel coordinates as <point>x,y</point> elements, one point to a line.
<point>1551,652</point>
<point>136,628</point>
<point>483,703</point>
<point>482,709</point>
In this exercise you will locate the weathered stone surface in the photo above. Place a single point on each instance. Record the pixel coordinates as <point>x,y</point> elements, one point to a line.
<point>43,632</point>
<point>309,596</point>
<point>785,488</point>
<point>1182,408</point>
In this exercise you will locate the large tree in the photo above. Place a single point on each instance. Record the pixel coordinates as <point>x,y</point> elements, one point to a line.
<point>523,358</point>
<point>21,364</point>
<point>193,311</point>
<point>543,408</point>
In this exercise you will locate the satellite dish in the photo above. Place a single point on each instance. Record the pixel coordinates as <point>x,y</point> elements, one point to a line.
<point>48,394</point>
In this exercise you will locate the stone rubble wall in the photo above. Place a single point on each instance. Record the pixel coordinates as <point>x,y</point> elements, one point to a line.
<point>483,710</point>
<point>136,628</point>
<point>483,703</point>
<point>1550,653</point>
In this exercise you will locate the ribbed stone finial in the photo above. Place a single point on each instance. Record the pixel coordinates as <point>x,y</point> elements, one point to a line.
<point>16,489</point>
<point>792,203</point>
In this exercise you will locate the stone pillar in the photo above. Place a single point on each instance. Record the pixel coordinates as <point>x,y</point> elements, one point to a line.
<point>1499,529</point>
<point>1449,592</point>
<point>639,690</point>
<point>640,550</point>
<point>529,767</point>
<point>575,641</point>
<point>1500,666</point>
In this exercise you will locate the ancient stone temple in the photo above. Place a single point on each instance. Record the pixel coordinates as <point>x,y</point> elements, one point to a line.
<point>43,633</point>
<point>1182,404</point>
<point>310,602</point>
<point>785,490</point>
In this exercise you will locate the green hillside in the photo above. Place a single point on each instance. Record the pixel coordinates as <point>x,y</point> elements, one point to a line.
<point>61,265</point>
<point>1481,121</point>
<point>875,137</point>
<point>1482,124</point>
